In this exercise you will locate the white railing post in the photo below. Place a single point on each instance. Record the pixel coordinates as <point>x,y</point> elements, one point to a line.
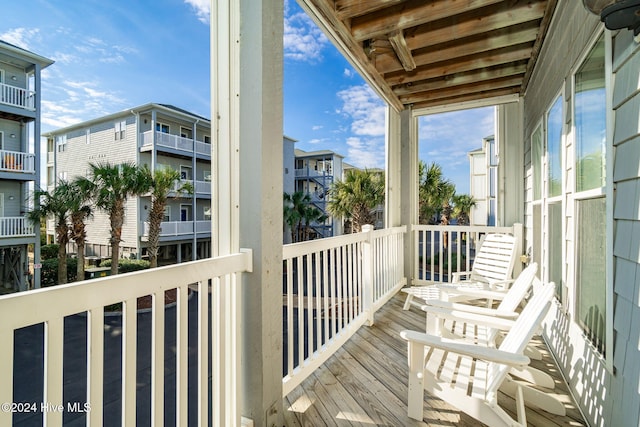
<point>518,232</point>
<point>367,274</point>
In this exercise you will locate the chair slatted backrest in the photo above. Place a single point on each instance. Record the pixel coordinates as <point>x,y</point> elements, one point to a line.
<point>495,259</point>
<point>523,329</point>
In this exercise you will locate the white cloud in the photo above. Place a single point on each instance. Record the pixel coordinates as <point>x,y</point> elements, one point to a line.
<point>365,110</point>
<point>303,40</point>
<point>365,152</point>
<point>348,72</point>
<point>202,9</point>
<point>316,127</point>
<point>21,37</point>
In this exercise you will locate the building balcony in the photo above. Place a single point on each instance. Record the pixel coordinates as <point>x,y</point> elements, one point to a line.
<point>335,368</point>
<point>174,143</point>
<point>16,226</point>
<point>17,162</point>
<point>17,97</point>
<point>311,173</point>
<point>179,228</point>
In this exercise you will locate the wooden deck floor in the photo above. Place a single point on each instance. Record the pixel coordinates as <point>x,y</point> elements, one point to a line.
<point>365,383</point>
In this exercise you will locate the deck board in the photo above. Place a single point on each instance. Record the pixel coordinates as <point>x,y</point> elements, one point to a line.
<point>365,383</point>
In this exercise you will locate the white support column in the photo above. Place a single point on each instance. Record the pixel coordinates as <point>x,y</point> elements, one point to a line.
<point>246,55</point>
<point>409,184</point>
<point>393,199</point>
<point>367,274</point>
<point>510,148</point>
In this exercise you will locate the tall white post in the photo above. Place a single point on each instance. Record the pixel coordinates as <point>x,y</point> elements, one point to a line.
<point>409,184</point>
<point>393,150</point>
<point>247,75</point>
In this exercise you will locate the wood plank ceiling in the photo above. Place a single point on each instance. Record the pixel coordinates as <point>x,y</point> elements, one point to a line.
<point>428,53</point>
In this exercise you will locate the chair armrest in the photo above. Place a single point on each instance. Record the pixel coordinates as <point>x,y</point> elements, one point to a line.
<point>464,316</point>
<point>473,350</point>
<point>485,311</point>
<point>477,293</point>
<point>457,275</point>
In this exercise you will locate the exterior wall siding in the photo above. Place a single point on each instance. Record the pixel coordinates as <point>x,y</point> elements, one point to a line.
<point>604,397</point>
<point>626,177</point>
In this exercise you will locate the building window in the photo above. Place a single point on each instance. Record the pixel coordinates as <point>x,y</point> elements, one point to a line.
<point>554,148</point>
<point>120,128</point>
<point>185,132</point>
<point>185,172</point>
<point>207,139</point>
<point>61,143</point>
<point>87,136</point>
<point>207,212</point>
<point>590,116</point>
<point>590,200</point>
<point>161,127</point>
<point>536,159</point>
<point>1,140</point>
<point>62,176</point>
<point>167,214</point>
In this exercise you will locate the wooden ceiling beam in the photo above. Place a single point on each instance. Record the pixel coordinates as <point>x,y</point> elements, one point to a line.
<point>459,79</point>
<point>347,9</point>
<point>458,91</point>
<point>472,62</point>
<point>464,98</point>
<point>386,63</point>
<point>402,51</point>
<point>500,16</point>
<point>322,12</point>
<point>409,14</point>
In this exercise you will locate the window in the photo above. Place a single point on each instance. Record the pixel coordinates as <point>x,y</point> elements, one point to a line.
<point>536,159</point>
<point>207,139</point>
<point>207,212</point>
<point>61,143</point>
<point>120,128</point>
<point>185,172</point>
<point>185,132</point>
<point>62,176</point>
<point>590,200</point>
<point>590,116</point>
<point>87,136</point>
<point>167,214</point>
<point>161,127</point>
<point>554,148</point>
<point>590,268</point>
<point>207,176</point>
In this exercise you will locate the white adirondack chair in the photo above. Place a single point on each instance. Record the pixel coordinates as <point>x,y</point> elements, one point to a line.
<point>491,269</point>
<point>466,321</point>
<point>467,375</point>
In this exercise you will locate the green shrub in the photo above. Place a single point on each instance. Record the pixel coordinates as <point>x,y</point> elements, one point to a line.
<point>49,251</point>
<point>49,272</point>
<point>128,265</point>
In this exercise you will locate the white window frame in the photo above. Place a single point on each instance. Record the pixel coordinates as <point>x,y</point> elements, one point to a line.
<point>606,191</point>
<point>120,128</point>
<point>166,214</point>
<point>188,173</point>
<point>186,132</point>
<point>187,208</point>
<point>61,143</point>
<point>161,126</point>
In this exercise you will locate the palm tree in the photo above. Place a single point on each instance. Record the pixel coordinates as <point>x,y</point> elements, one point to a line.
<point>434,191</point>
<point>79,194</point>
<point>356,196</point>
<point>297,211</point>
<point>163,182</point>
<point>112,186</point>
<point>462,205</point>
<point>55,204</point>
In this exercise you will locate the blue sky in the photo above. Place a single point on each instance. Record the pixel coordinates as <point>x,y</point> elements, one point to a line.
<point>117,54</point>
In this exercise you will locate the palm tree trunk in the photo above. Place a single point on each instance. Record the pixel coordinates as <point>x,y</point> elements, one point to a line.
<point>80,268</point>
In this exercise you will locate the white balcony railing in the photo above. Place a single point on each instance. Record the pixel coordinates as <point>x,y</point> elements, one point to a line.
<point>178,228</point>
<point>332,287</point>
<point>174,142</point>
<point>311,172</point>
<point>216,282</point>
<point>16,227</point>
<point>16,161</point>
<point>17,97</point>
<point>442,250</point>
<point>203,187</point>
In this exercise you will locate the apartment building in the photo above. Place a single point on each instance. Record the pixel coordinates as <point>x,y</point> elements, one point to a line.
<point>20,94</point>
<point>315,172</point>
<point>483,177</point>
<point>156,135</point>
